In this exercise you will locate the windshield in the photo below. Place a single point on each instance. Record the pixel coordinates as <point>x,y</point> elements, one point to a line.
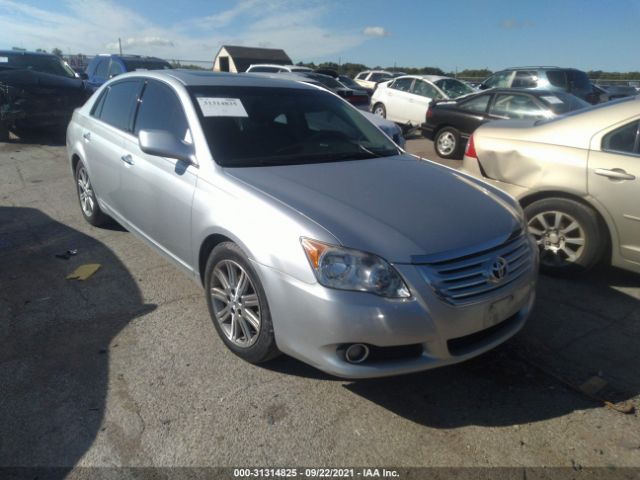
<point>454,88</point>
<point>326,80</point>
<point>133,65</point>
<point>257,126</point>
<point>38,63</point>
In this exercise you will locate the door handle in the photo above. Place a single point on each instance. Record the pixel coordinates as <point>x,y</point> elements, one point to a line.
<point>614,174</point>
<point>127,159</point>
<point>86,136</point>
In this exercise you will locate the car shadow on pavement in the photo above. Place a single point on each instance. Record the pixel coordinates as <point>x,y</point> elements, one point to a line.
<point>579,329</point>
<point>56,336</point>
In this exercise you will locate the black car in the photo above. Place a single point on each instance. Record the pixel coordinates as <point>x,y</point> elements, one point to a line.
<point>37,90</point>
<point>449,123</point>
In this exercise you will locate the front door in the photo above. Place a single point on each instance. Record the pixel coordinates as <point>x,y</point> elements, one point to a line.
<point>158,191</point>
<point>614,180</point>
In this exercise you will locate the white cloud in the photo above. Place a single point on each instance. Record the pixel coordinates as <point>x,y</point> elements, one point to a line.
<point>138,42</point>
<point>94,26</point>
<point>375,32</point>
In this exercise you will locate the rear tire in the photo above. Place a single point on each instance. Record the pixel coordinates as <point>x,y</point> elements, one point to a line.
<point>570,235</point>
<point>378,109</point>
<point>238,305</point>
<point>87,197</point>
<point>447,143</point>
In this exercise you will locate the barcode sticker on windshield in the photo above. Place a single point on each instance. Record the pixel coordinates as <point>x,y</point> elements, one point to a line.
<point>4,59</point>
<point>551,99</point>
<point>221,107</point>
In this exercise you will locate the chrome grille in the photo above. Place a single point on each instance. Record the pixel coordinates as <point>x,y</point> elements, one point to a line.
<point>469,278</point>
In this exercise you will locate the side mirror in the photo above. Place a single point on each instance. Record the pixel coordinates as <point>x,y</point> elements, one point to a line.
<point>84,76</point>
<point>482,86</point>
<point>164,144</point>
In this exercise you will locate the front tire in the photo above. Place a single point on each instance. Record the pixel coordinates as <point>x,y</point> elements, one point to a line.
<point>87,197</point>
<point>378,109</point>
<point>4,132</point>
<point>447,143</point>
<point>238,305</point>
<point>569,235</point>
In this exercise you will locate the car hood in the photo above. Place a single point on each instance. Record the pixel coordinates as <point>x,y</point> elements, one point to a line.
<point>397,207</point>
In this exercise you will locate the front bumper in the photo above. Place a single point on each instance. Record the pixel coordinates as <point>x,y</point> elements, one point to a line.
<point>314,323</point>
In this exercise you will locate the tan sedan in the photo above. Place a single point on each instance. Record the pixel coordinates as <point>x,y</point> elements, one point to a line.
<point>577,178</point>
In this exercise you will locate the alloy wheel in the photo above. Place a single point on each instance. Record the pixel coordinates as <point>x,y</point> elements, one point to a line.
<point>446,143</point>
<point>560,238</point>
<point>235,303</point>
<point>85,191</point>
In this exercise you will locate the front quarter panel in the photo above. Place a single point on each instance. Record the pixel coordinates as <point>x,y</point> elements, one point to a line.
<point>266,230</point>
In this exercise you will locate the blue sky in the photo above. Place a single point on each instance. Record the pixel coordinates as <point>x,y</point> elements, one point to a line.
<point>586,34</point>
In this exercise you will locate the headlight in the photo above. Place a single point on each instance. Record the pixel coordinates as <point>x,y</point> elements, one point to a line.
<point>347,269</point>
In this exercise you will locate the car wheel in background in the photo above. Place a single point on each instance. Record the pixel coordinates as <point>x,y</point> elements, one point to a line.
<point>238,305</point>
<point>87,197</point>
<point>378,109</point>
<point>447,143</point>
<point>568,233</point>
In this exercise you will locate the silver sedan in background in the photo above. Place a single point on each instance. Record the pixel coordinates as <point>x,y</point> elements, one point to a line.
<point>312,233</point>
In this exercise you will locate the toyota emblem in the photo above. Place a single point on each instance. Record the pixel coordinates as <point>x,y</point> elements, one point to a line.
<point>497,270</point>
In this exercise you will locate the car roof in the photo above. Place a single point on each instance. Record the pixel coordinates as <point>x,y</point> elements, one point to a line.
<point>197,78</point>
<point>430,78</point>
<point>276,65</point>
<point>7,53</point>
<point>131,57</point>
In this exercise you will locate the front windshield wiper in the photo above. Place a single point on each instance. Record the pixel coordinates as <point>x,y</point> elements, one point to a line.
<point>386,153</point>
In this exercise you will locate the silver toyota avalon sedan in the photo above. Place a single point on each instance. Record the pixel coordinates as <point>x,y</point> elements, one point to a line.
<point>312,233</point>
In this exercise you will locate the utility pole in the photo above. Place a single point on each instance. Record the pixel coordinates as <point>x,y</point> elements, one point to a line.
<point>120,45</point>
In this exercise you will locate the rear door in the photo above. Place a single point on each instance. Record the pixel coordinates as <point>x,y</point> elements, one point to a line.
<point>421,95</point>
<point>111,119</point>
<point>158,191</point>
<point>614,180</point>
<point>396,98</point>
<point>470,114</point>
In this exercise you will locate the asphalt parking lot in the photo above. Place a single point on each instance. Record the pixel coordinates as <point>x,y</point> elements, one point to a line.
<point>125,368</point>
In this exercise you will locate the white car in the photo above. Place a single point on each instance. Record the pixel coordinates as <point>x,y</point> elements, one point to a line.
<point>369,79</point>
<point>273,68</point>
<point>406,99</point>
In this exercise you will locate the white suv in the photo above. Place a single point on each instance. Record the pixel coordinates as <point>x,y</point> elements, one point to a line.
<point>369,79</point>
<point>272,68</point>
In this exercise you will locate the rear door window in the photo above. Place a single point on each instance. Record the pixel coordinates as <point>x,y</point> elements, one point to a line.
<point>477,104</point>
<point>119,104</point>
<point>624,139</point>
<point>423,89</point>
<point>115,69</point>
<point>102,68</point>
<point>557,78</point>
<point>160,109</point>
<point>525,79</point>
<point>499,80</point>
